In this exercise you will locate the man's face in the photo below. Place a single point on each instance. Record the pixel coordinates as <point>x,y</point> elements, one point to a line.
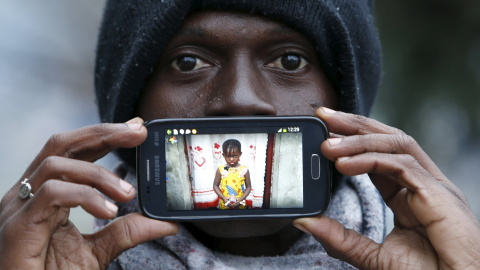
<point>236,64</point>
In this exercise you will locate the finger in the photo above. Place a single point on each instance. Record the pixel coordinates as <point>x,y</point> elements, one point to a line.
<point>381,143</point>
<point>451,227</point>
<point>341,243</point>
<point>55,194</point>
<point>390,174</point>
<point>378,137</point>
<point>404,169</point>
<point>49,209</point>
<point>85,173</point>
<point>126,232</point>
<point>93,142</point>
<point>375,137</point>
<point>396,144</point>
<point>351,124</point>
<point>79,172</point>
<point>88,144</point>
<point>334,148</point>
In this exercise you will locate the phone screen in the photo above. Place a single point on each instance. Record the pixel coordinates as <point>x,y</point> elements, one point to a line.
<point>271,160</point>
<point>229,168</point>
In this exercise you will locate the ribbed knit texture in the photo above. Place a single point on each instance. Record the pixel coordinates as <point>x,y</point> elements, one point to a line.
<point>356,204</point>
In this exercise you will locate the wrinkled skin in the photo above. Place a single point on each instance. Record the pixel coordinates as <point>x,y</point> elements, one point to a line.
<point>434,225</point>
<point>224,63</point>
<point>36,233</point>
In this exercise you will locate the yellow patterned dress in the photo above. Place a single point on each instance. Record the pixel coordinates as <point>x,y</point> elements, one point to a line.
<point>232,183</point>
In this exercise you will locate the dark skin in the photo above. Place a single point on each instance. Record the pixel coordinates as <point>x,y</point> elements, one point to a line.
<point>239,69</point>
<point>434,226</point>
<point>232,157</point>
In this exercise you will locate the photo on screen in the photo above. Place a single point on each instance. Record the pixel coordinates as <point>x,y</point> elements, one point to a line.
<point>274,162</point>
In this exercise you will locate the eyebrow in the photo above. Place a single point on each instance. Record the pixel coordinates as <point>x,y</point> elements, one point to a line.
<point>199,31</point>
<point>281,29</point>
<point>194,31</point>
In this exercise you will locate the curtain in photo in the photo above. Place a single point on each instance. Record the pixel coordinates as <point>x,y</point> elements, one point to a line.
<point>287,171</point>
<point>205,156</point>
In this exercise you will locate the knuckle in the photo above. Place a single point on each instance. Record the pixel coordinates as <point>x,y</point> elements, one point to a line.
<point>47,190</point>
<point>359,121</point>
<point>408,141</point>
<point>409,159</point>
<point>102,132</point>
<point>125,237</point>
<point>56,140</point>
<point>359,118</point>
<point>129,229</point>
<point>60,144</point>
<point>87,192</point>
<point>99,170</point>
<point>100,129</point>
<point>404,143</point>
<point>50,163</point>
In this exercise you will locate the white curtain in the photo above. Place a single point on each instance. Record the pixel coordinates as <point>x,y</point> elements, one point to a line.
<point>179,189</point>
<point>287,171</point>
<point>205,155</point>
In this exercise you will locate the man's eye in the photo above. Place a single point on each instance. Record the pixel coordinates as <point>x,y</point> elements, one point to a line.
<point>188,63</point>
<point>289,62</point>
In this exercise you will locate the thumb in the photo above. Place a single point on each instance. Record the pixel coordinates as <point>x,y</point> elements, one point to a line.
<point>127,232</point>
<point>340,242</point>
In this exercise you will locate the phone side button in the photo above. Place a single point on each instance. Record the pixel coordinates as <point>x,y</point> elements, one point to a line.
<point>315,168</point>
<point>148,170</point>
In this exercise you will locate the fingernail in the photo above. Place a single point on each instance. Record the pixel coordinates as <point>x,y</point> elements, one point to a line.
<point>126,187</point>
<point>134,126</point>
<point>334,141</point>
<point>112,207</point>
<point>135,123</point>
<point>301,228</point>
<point>342,159</point>
<point>327,110</point>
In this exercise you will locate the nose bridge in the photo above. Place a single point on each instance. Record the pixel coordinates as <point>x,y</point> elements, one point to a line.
<point>240,90</point>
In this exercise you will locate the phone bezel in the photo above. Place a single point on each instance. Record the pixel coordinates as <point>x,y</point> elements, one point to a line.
<point>317,193</point>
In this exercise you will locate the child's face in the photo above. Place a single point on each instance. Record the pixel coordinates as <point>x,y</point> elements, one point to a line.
<point>236,64</point>
<point>232,157</point>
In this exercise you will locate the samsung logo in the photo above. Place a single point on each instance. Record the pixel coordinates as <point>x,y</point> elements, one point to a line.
<point>156,138</point>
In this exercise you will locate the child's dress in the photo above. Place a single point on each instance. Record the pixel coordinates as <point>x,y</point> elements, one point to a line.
<point>232,183</point>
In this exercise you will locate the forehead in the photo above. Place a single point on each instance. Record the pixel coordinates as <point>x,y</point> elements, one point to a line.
<point>224,25</point>
<point>236,78</point>
<point>231,152</point>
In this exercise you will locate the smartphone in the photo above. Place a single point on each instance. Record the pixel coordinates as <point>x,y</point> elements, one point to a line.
<point>262,167</point>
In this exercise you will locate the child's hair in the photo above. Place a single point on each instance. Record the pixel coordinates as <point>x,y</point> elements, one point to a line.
<point>230,145</point>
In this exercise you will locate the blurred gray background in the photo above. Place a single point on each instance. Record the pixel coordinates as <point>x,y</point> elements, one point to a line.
<point>430,87</point>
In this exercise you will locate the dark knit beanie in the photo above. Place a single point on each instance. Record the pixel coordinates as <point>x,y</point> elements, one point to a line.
<point>134,33</point>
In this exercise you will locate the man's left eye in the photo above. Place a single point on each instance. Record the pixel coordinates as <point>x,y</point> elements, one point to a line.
<point>289,62</point>
<point>188,63</point>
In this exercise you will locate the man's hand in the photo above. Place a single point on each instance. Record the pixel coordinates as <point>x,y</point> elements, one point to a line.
<point>434,225</point>
<point>35,233</point>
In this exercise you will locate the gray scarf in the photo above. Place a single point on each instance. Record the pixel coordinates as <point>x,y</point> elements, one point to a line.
<point>356,204</point>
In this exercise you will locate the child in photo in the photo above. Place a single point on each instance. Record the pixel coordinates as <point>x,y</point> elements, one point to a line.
<point>232,180</point>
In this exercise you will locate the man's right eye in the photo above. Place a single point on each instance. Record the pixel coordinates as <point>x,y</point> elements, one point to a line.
<point>188,63</point>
